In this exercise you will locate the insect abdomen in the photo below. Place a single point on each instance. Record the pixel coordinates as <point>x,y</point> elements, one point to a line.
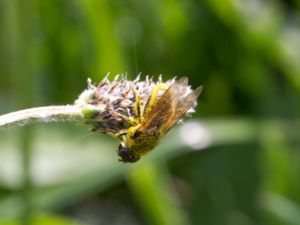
<point>144,142</point>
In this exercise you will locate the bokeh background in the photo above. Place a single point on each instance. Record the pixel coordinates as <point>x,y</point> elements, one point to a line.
<point>235,162</point>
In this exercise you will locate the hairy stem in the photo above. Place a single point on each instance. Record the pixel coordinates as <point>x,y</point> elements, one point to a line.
<point>41,115</point>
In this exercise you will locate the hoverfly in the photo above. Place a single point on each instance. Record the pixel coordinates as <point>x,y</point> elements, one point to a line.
<point>160,113</point>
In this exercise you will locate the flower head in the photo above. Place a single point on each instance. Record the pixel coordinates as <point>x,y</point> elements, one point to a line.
<point>110,106</point>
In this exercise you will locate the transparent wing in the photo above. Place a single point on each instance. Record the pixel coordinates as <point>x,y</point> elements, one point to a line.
<point>182,105</point>
<point>170,107</point>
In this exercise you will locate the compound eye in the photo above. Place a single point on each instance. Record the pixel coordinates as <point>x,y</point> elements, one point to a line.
<point>126,155</point>
<point>122,150</point>
<point>120,147</point>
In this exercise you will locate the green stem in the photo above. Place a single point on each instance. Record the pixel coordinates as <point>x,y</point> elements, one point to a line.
<point>44,114</point>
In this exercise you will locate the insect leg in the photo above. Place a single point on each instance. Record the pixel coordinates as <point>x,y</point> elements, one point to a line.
<point>114,113</point>
<point>118,134</point>
<point>137,104</point>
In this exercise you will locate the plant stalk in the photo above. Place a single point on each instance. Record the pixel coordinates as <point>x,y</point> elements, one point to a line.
<point>44,114</point>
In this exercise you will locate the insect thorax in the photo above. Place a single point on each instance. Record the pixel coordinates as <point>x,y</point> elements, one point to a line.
<point>141,143</point>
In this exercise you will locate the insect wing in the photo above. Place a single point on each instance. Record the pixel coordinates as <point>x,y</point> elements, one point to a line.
<point>159,114</point>
<point>182,105</point>
<point>165,112</point>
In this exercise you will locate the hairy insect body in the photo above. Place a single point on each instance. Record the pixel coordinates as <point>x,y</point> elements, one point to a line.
<point>140,143</point>
<point>163,109</point>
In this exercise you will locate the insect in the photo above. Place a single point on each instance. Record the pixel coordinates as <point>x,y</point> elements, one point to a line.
<point>155,118</point>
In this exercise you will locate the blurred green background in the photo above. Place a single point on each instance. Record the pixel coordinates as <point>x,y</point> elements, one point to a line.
<point>245,53</point>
